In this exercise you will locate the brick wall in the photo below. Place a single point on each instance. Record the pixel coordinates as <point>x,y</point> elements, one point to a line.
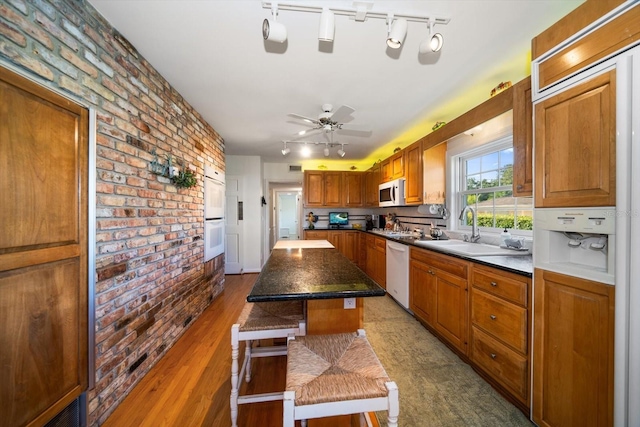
<point>151,279</point>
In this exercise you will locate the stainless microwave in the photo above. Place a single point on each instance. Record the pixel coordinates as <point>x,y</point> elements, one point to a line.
<point>391,193</point>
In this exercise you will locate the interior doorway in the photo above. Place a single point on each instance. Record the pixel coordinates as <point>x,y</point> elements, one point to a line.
<point>285,213</point>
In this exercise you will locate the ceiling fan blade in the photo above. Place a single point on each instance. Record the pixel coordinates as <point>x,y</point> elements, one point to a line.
<point>307,132</point>
<point>354,131</point>
<point>303,118</point>
<point>342,114</point>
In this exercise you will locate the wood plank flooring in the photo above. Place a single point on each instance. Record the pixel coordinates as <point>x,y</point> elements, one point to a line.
<point>191,385</point>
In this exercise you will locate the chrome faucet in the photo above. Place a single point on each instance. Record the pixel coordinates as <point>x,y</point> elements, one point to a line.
<point>475,234</point>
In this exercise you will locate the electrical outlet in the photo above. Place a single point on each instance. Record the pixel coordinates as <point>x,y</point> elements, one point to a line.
<point>349,303</point>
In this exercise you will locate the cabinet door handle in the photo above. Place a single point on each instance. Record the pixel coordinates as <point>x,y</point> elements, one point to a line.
<point>493,317</point>
<point>519,186</point>
<point>494,284</point>
<point>493,355</point>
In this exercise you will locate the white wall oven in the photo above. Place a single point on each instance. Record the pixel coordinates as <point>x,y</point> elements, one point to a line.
<point>214,198</point>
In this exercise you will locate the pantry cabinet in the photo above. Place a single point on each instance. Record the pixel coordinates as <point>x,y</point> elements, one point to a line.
<point>500,328</point>
<point>575,145</point>
<point>573,345</point>
<point>440,284</point>
<point>413,174</point>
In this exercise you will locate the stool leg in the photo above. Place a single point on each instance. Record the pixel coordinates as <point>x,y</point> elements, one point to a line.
<point>235,330</point>
<point>288,409</point>
<point>247,356</point>
<point>394,404</point>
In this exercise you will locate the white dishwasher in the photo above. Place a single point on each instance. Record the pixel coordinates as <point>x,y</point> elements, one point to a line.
<point>398,272</point>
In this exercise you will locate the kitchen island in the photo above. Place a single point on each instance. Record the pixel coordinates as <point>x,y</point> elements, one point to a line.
<point>331,285</point>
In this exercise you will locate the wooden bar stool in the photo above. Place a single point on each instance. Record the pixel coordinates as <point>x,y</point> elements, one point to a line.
<point>337,374</point>
<point>259,321</point>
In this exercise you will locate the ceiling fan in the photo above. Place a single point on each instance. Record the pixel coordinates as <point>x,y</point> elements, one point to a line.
<point>330,121</point>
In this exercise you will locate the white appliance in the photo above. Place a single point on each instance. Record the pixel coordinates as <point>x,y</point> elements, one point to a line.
<point>391,193</point>
<point>398,272</point>
<point>214,198</point>
<point>624,249</point>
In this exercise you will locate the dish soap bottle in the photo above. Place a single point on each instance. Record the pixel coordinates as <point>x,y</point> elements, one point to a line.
<point>504,237</point>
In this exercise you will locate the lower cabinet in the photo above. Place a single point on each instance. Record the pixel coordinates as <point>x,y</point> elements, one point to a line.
<point>347,242</point>
<point>573,351</point>
<point>316,235</point>
<point>438,294</point>
<point>376,267</point>
<point>500,329</point>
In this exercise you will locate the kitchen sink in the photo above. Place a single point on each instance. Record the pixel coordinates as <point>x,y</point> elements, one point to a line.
<point>468,249</point>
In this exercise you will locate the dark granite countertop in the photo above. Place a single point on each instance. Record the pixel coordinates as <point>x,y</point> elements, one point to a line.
<point>518,264</point>
<point>295,274</point>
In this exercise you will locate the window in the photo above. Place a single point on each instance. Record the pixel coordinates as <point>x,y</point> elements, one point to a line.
<point>486,185</point>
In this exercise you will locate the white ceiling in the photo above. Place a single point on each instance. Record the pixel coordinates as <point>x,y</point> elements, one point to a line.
<point>213,53</point>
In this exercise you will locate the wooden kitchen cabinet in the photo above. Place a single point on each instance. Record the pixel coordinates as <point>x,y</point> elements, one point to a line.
<point>385,170</point>
<point>335,237</point>
<point>333,189</point>
<point>377,259</point>
<point>373,180</point>
<point>422,290</point>
<point>522,139</point>
<point>573,351</point>
<point>397,165</point>
<point>500,322</point>
<point>351,245</point>
<point>313,189</point>
<point>449,277</point>
<point>413,174</point>
<point>316,235</point>
<point>575,145</point>
<point>434,166</point>
<point>353,192</point>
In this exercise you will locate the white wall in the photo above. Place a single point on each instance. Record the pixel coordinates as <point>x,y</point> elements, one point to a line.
<point>250,168</point>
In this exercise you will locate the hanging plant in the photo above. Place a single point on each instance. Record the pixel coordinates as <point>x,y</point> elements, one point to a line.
<point>184,179</point>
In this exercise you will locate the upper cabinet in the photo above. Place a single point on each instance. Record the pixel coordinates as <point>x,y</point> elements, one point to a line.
<point>397,165</point>
<point>372,180</point>
<point>575,145</point>
<point>434,174</point>
<point>385,170</point>
<point>522,139</point>
<point>413,174</point>
<point>333,189</point>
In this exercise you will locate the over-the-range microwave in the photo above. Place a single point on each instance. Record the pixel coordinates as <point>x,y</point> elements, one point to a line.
<point>391,193</point>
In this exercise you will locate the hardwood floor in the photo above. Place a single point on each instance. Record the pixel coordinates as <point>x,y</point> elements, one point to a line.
<point>191,385</point>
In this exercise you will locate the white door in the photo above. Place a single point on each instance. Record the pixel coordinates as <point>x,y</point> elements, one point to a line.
<point>233,229</point>
<point>287,210</point>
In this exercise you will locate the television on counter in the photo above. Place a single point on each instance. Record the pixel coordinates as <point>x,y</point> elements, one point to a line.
<point>338,219</point>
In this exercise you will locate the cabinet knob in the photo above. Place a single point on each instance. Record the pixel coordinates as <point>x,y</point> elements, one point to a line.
<point>494,284</point>
<point>493,317</point>
<point>519,187</point>
<point>493,355</point>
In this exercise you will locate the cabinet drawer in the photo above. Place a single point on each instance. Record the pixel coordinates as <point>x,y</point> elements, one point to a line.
<point>505,365</point>
<point>442,262</point>
<point>506,321</point>
<point>381,244</point>
<point>316,235</point>
<point>500,285</point>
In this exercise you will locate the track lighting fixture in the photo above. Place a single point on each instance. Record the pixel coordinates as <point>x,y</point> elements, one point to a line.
<point>326,150</point>
<point>305,151</point>
<point>273,30</point>
<point>327,26</point>
<point>433,43</point>
<point>397,31</point>
<point>397,23</point>
<point>341,152</point>
<point>286,150</point>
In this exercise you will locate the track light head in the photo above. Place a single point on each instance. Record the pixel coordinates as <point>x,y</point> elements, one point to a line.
<point>285,151</point>
<point>397,32</point>
<point>341,152</point>
<point>327,26</point>
<point>272,30</point>
<point>433,43</point>
<point>326,150</point>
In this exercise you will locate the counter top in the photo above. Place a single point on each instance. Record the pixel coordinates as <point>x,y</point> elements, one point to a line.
<point>311,273</point>
<point>296,244</point>
<point>518,264</point>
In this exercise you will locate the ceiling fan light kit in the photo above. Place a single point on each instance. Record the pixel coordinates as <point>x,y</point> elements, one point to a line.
<point>397,23</point>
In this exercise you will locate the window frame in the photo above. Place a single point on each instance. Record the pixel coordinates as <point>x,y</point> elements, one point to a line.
<point>457,161</point>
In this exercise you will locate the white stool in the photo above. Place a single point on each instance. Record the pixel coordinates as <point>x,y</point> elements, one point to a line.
<point>256,322</point>
<point>337,374</point>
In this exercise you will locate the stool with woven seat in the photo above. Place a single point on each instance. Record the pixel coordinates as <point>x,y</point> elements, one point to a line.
<point>261,321</point>
<point>339,374</point>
